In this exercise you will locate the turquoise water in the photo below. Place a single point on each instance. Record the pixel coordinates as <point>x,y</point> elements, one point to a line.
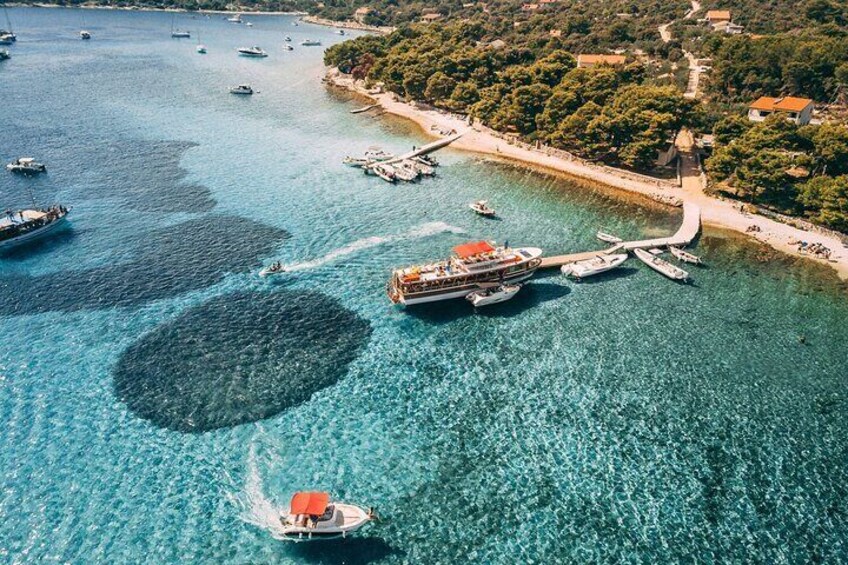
<point>160,403</point>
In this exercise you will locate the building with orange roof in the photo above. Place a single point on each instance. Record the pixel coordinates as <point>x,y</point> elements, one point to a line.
<point>585,61</point>
<point>796,110</point>
<point>716,16</point>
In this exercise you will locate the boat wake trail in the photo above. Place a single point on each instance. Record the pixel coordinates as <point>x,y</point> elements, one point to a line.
<point>423,230</point>
<point>254,507</point>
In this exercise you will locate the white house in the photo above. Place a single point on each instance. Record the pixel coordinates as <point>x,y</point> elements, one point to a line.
<point>796,110</point>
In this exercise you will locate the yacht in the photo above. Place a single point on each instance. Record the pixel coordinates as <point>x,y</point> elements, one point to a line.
<point>180,34</point>
<point>594,266</point>
<point>482,207</point>
<point>85,34</point>
<point>27,166</point>
<point>27,225</point>
<point>473,266</point>
<point>312,516</point>
<point>608,238</point>
<point>241,89</point>
<point>685,256</point>
<point>662,266</point>
<point>252,51</point>
<point>201,49</point>
<point>310,42</point>
<point>235,19</point>
<point>493,295</point>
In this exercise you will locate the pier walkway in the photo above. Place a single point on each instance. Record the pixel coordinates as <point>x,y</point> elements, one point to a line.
<point>429,148</point>
<point>684,236</point>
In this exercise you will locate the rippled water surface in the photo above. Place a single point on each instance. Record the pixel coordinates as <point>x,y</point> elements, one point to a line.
<point>159,402</point>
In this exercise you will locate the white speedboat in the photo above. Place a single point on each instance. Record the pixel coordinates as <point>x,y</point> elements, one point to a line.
<point>288,47</point>
<point>377,154</point>
<point>609,238</point>
<point>201,49</point>
<point>242,89</point>
<point>179,34</point>
<point>341,32</point>
<point>685,256</point>
<point>355,161</point>
<point>252,52</point>
<point>474,266</point>
<point>26,165</point>
<point>4,54</point>
<point>312,516</point>
<point>405,172</point>
<point>427,160</point>
<point>482,207</point>
<point>493,295</point>
<point>235,19</point>
<point>288,39</point>
<point>594,266</point>
<point>385,172</point>
<point>310,42</point>
<point>85,34</point>
<point>274,268</point>
<point>662,266</point>
<point>26,225</point>
<point>7,39</point>
<point>248,24</point>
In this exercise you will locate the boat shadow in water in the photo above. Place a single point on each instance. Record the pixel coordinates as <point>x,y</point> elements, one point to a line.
<point>532,295</point>
<point>348,551</point>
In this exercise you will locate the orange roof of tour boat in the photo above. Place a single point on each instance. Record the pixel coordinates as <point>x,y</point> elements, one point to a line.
<point>310,503</point>
<point>471,249</point>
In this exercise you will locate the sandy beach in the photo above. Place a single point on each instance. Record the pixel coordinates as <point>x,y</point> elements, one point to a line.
<point>716,212</point>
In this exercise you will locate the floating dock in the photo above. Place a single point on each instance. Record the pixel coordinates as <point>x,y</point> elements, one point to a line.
<point>681,238</point>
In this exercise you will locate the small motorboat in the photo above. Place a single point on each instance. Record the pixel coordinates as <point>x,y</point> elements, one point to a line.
<point>493,295</point>
<point>377,154</point>
<point>355,161</point>
<point>235,19</point>
<point>7,39</point>
<point>405,172</point>
<point>341,32</point>
<point>180,34</point>
<point>252,52</point>
<point>201,49</point>
<point>662,266</point>
<point>295,24</point>
<point>8,34</point>
<point>85,34</point>
<point>385,172</point>
<point>26,165</point>
<point>4,54</point>
<point>423,169</point>
<point>288,47</point>
<point>311,516</point>
<point>594,266</point>
<point>274,268</point>
<point>288,38</point>
<point>609,238</point>
<point>242,89</point>
<point>248,24</point>
<point>310,42</point>
<point>482,207</point>
<point>685,256</point>
<point>427,160</point>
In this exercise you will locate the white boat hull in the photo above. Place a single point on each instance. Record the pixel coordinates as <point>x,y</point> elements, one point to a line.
<point>661,266</point>
<point>460,293</point>
<point>591,267</point>
<point>480,299</point>
<point>354,518</point>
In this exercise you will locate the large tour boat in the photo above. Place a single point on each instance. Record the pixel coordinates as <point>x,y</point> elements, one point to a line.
<point>26,225</point>
<point>474,266</point>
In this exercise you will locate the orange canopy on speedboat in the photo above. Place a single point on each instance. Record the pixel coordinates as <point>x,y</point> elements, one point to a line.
<point>471,249</point>
<point>311,503</point>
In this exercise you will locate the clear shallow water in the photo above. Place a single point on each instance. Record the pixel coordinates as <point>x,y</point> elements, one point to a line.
<point>627,419</point>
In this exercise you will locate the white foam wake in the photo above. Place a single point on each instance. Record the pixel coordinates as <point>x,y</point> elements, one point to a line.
<point>254,507</point>
<point>424,230</point>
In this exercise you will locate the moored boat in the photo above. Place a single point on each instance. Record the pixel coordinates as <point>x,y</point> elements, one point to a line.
<point>236,19</point>
<point>26,225</point>
<point>4,54</point>
<point>287,38</point>
<point>609,238</point>
<point>254,51</point>
<point>473,266</point>
<point>385,172</point>
<point>685,256</point>
<point>6,39</point>
<point>312,516</point>
<point>310,42</point>
<point>201,49</point>
<point>27,166</point>
<point>377,154</point>
<point>594,266</point>
<point>405,172</point>
<point>179,34</point>
<point>482,207</point>
<point>662,266</point>
<point>355,161</point>
<point>288,47</point>
<point>493,295</point>
<point>241,89</point>
<point>426,160</point>
<point>85,34</point>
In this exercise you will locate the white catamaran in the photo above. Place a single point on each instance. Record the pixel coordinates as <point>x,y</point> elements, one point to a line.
<point>474,266</point>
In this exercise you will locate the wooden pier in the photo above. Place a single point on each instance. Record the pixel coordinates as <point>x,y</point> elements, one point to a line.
<point>682,237</point>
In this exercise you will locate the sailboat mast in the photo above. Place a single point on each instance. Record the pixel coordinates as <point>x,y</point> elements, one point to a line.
<point>8,21</point>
